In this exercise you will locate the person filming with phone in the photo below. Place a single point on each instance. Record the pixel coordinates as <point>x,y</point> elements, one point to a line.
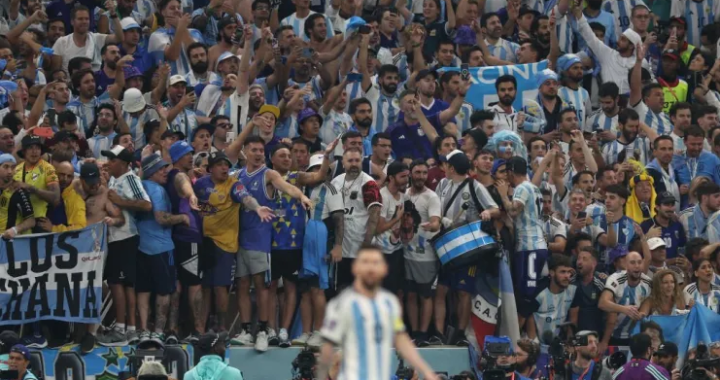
<point>20,361</point>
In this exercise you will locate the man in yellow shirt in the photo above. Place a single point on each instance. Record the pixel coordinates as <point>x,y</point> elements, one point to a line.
<point>37,176</point>
<point>70,213</point>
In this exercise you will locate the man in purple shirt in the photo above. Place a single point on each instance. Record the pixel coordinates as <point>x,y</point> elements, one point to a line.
<point>640,367</point>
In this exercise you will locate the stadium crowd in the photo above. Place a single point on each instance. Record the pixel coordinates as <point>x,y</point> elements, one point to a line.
<point>241,152</point>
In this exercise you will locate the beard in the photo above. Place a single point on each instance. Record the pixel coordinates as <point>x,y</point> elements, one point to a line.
<point>112,65</point>
<point>507,100</point>
<point>587,355</point>
<point>226,39</point>
<point>365,123</point>
<point>226,88</point>
<point>370,285</point>
<point>389,88</point>
<point>522,367</point>
<point>200,67</point>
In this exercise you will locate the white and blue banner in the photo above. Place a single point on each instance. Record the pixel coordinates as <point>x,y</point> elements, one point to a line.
<point>700,325</point>
<point>52,276</point>
<point>482,92</point>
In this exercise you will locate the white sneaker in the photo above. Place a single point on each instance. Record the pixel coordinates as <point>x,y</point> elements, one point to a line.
<point>284,339</point>
<point>272,337</point>
<point>242,339</point>
<point>315,340</point>
<point>301,340</point>
<point>261,341</point>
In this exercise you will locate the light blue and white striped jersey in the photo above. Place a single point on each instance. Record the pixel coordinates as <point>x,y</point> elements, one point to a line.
<point>287,127</point>
<point>210,33</point>
<point>503,49</point>
<point>625,295</point>
<point>161,39</point>
<point>145,8</point>
<point>624,230</point>
<point>713,228</point>
<point>298,25</point>
<point>566,27</point>
<point>211,78</point>
<point>528,224</point>
<point>679,147</point>
<point>334,124</point>
<point>598,120</point>
<point>696,14</point>
<point>463,118</point>
<point>136,125</point>
<point>554,227</point>
<point>326,200</point>
<point>85,113</point>
<point>579,99</point>
<point>641,145</point>
<point>385,108</point>
<point>695,222</point>
<point>364,329</point>
<point>184,122</point>
<point>98,143</point>
<point>711,299</point>
<point>659,122</point>
<point>621,9</point>
<point>553,309</point>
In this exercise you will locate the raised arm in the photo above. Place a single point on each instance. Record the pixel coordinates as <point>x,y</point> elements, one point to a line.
<point>279,183</point>
<point>172,52</point>
<point>447,115</point>
<point>636,78</point>
<point>119,36</point>
<point>362,63</point>
<point>243,78</point>
<point>319,176</point>
<point>487,56</point>
<point>14,34</point>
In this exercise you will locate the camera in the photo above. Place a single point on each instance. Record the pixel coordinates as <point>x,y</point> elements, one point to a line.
<point>304,365</point>
<point>695,368</point>
<point>402,372</point>
<point>494,348</point>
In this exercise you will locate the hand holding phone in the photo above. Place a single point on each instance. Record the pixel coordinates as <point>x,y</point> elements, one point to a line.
<point>465,72</point>
<point>354,77</point>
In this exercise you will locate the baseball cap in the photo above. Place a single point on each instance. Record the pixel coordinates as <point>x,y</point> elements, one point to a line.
<point>210,340</point>
<point>28,141</point>
<point>517,165</point>
<point>151,164</point>
<point>672,54</point>
<point>526,10</point>
<point>425,72</point>
<point>665,197</point>
<point>225,55</point>
<point>65,135</point>
<point>175,79</point>
<point>225,21</point>
<point>7,157</point>
<point>270,108</point>
<point>20,349</point>
<point>667,349</point>
<point>120,153</point>
<point>216,157</point>
<point>90,173</point>
<point>128,23</point>
<point>315,160</point>
<point>179,149</point>
<point>308,113</point>
<point>396,167</point>
<point>496,165</point>
<point>655,243</point>
<point>133,101</point>
<point>458,160</point>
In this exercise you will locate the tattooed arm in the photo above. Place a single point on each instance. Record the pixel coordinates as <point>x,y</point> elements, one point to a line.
<point>338,218</point>
<point>372,223</point>
<point>250,203</point>
<point>168,219</point>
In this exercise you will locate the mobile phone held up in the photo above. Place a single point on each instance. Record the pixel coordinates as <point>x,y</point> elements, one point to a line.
<point>464,72</point>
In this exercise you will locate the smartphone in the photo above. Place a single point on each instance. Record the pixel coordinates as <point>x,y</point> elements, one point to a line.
<point>189,89</point>
<point>354,77</point>
<point>43,132</point>
<point>239,31</point>
<point>274,43</point>
<point>582,215</point>
<point>464,72</point>
<point>229,137</point>
<point>629,153</point>
<point>308,52</point>
<point>364,29</point>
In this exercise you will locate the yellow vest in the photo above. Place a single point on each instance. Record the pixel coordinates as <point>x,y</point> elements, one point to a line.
<point>674,94</point>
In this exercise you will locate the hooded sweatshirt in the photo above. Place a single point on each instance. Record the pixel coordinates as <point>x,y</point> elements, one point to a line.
<point>212,367</point>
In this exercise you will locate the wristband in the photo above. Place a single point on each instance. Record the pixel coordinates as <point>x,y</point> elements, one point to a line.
<point>15,230</point>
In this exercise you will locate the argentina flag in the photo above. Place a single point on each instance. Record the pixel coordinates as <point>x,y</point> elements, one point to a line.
<point>52,276</point>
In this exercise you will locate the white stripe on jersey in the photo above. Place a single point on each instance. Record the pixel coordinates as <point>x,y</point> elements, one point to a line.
<point>598,120</point>
<point>298,25</point>
<point>622,10</point>
<point>528,224</point>
<point>659,122</point>
<point>625,295</point>
<point>365,329</point>
<point>463,118</point>
<point>711,300</point>
<point>503,49</point>
<point>553,310</point>
<point>579,99</point>
<point>697,14</point>
<point>641,145</point>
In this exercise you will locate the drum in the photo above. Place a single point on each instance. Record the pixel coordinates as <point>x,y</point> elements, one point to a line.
<point>463,245</point>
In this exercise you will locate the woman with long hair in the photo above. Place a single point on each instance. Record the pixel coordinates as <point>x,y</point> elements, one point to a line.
<point>665,296</point>
<point>703,291</point>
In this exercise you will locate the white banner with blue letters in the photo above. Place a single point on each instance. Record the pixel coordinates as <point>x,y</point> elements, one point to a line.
<point>52,276</point>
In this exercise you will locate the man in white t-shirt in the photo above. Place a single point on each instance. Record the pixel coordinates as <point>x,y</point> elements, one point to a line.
<point>126,192</point>
<point>82,42</point>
